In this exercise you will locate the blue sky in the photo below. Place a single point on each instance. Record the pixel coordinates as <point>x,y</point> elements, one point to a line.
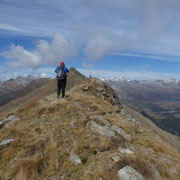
<point>136,39</point>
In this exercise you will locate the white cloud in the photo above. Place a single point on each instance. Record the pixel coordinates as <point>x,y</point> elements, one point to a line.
<point>138,75</point>
<point>9,27</point>
<point>99,73</point>
<point>7,73</point>
<point>45,53</point>
<point>162,57</point>
<point>98,47</point>
<point>101,27</point>
<point>88,65</point>
<point>43,75</point>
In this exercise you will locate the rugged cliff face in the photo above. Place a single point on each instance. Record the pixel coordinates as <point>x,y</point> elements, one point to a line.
<point>87,135</point>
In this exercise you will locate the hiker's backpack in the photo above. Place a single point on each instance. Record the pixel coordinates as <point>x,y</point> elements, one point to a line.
<point>61,74</point>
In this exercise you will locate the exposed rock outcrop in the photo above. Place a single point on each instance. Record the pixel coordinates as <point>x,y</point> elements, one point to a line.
<point>129,173</point>
<point>75,159</point>
<point>118,130</point>
<point>102,130</point>
<point>10,120</point>
<point>6,142</point>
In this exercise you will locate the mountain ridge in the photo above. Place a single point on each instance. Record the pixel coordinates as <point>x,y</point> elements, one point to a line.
<point>87,135</point>
<point>35,89</point>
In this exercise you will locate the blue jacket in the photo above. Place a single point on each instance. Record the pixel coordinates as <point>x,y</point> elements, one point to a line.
<point>65,70</point>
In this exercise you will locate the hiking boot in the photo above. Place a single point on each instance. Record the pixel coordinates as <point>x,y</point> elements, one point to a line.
<point>57,96</point>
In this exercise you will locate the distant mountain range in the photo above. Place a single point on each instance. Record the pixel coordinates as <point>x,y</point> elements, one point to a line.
<point>158,100</point>
<point>16,88</point>
<point>88,134</point>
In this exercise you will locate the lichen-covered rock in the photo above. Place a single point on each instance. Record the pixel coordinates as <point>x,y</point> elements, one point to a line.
<point>125,151</point>
<point>129,173</point>
<point>2,123</point>
<point>100,89</point>
<point>100,118</point>
<point>156,175</point>
<point>6,142</point>
<point>115,157</point>
<point>85,88</point>
<point>134,121</point>
<point>132,148</point>
<point>55,177</point>
<point>75,159</point>
<point>102,130</point>
<point>10,119</point>
<point>118,130</point>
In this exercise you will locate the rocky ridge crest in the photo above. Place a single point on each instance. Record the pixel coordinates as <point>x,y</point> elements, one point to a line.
<point>87,135</point>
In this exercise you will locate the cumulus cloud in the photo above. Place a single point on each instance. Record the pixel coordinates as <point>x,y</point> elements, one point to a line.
<point>45,53</point>
<point>101,27</point>
<point>98,47</point>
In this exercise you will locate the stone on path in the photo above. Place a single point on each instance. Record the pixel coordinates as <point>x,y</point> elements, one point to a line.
<point>100,118</point>
<point>129,173</point>
<point>7,141</point>
<point>75,159</point>
<point>102,130</point>
<point>10,119</point>
<point>117,129</point>
<point>126,151</point>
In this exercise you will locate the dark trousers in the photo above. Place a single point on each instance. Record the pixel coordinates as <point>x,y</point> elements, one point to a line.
<point>61,84</point>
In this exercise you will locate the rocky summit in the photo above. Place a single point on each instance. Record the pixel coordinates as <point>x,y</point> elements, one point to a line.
<point>89,135</point>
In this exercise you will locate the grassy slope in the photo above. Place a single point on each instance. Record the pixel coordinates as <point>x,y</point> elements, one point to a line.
<point>38,89</point>
<point>50,128</point>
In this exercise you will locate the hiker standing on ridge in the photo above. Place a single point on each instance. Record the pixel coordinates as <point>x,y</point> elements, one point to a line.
<point>61,79</point>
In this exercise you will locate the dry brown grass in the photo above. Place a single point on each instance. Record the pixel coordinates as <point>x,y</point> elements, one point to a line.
<point>137,162</point>
<point>28,168</point>
<point>54,128</point>
<point>51,149</point>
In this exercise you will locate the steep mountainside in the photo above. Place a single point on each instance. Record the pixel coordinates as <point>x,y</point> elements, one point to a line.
<point>13,88</point>
<point>88,135</point>
<point>157,100</point>
<point>34,90</point>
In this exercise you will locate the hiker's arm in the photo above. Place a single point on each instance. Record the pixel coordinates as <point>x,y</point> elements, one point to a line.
<point>66,69</point>
<point>56,70</point>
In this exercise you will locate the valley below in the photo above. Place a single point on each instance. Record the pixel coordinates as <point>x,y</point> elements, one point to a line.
<point>156,100</point>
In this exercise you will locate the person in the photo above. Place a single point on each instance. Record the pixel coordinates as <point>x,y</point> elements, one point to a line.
<point>61,79</point>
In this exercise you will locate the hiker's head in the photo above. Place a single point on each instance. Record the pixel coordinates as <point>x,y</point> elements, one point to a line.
<point>62,63</point>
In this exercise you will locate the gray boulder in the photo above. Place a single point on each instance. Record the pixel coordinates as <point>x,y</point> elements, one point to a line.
<point>156,174</point>
<point>55,177</point>
<point>75,159</point>
<point>100,89</point>
<point>129,173</point>
<point>115,157</point>
<point>102,130</point>
<point>6,142</point>
<point>86,88</point>
<point>118,130</point>
<point>10,119</point>
<point>134,121</point>
<point>126,151</point>
<point>100,118</point>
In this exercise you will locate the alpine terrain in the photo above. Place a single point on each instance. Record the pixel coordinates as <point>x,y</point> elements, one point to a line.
<point>158,100</point>
<point>89,135</point>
